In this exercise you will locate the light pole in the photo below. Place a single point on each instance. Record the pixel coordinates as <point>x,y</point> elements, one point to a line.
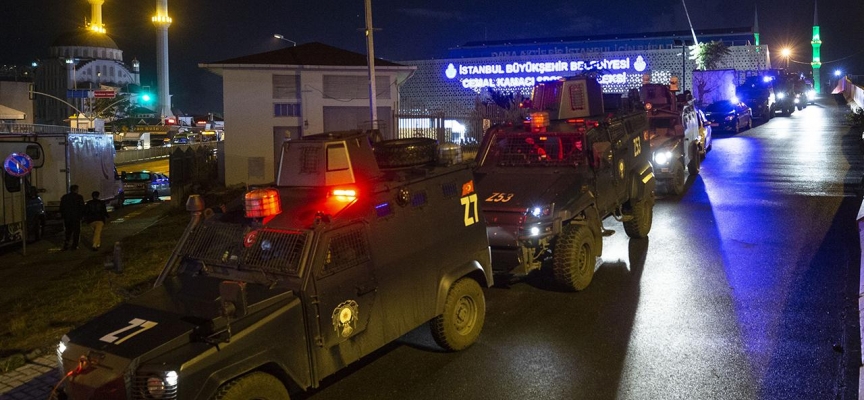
<point>280,37</point>
<point>786,53</point>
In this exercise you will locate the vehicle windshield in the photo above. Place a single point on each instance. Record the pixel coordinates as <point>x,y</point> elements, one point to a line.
<point>136,177</point>
<point>724,106</point>
<point>245,248</point>
<point>536,149</point>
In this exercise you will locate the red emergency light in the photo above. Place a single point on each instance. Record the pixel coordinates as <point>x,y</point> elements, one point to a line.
<point>539,121</point>
<point>170,121</point>
<point>263,203</point>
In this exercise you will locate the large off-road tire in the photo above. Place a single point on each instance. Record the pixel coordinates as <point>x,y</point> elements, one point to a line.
<point>675,185</point>
<point>750,123</point>
<point>695,160</point>
<point>400,153</point>
<point>642,211</point>
<point>737,128</point>
<point>574,257</point>
<point>154,197</point>
<point>257,386</point>
<point>464,313</point>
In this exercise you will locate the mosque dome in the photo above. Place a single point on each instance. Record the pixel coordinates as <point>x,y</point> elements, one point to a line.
<point>84,38</point>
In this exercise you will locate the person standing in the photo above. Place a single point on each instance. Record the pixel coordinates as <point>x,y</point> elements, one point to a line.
<point>72,210</point>
<point>95,215</point>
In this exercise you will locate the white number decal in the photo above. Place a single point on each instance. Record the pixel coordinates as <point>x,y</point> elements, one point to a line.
<point>500,197</point>
<point>470,203</point>
<point>637,147</point>
<point>139,323</point>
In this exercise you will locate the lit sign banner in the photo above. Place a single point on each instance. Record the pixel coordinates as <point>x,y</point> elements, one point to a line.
<point>528,73</point>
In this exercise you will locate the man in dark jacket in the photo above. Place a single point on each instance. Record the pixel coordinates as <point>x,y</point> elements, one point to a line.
<point>95,215</point>
<point>72,210</point>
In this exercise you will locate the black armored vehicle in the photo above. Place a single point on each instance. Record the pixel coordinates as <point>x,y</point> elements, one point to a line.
<point>546,185</point>
<point>759,94</point>
<point>349,250</point>
<point>678,136</point>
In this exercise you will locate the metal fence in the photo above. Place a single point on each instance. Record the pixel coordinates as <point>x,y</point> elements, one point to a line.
<point>463,128</point>
<point>153,153</point>
<point>16,128</point>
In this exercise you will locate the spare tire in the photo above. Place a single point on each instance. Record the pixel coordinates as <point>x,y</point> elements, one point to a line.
<point>400,153</point>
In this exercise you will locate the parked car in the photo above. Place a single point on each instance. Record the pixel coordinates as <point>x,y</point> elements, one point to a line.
<point>145,185</point>
<point>729,114</point>
<point>705,129</point>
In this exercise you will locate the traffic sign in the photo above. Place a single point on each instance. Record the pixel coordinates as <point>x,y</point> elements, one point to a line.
<point>77,93</point>
<point>104,94</point>
<point>18,165</point>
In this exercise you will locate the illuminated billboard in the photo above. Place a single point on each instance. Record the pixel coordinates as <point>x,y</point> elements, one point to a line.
<point>525,74</point>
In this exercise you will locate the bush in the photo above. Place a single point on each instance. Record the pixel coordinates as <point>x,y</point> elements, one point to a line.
<point>856,117</point>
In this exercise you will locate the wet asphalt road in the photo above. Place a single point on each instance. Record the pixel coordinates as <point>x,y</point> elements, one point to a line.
<point>745,289</point>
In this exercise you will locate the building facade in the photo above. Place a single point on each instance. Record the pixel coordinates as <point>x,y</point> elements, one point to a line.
<point>619,61</point>
<point>288,93</point>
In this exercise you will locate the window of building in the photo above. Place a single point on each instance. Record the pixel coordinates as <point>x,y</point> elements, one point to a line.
<point>354,87</point>
<point>286,110</point>
<point>286,86</point>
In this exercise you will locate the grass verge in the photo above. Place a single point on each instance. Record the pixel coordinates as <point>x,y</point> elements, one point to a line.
<point>40,317</point>
<point>49,308</point>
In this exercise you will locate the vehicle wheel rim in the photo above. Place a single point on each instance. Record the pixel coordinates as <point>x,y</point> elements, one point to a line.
<point>582,259</point>
<point>465,315</point>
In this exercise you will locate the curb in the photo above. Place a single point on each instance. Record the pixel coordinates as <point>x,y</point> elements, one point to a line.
<point>19,359</point>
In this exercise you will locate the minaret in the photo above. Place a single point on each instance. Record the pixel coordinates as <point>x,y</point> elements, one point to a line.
<point>162,22</point>
<point>817,43</point>
<point>96,16</point>
<point>756,37</point>
<point>756,27</point>
<point>136,71</point>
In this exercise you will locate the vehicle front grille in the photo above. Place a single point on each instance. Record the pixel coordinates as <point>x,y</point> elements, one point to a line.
<point>270,250</point>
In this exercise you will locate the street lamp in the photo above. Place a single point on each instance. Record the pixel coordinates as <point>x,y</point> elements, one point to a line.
<point>280,37</point>
<point>786,52</point>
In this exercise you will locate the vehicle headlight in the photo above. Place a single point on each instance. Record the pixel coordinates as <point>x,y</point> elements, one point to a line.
<point>796,99</point>
<point>662,157</point>
<point>730,117</point>
<point>541,211</point>
<point>534,230</point>
<point>811,94</point>
<point>781,95</point>
<point>163,386</point>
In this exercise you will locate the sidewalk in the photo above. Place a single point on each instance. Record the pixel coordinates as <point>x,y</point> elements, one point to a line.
<point>36,378</point>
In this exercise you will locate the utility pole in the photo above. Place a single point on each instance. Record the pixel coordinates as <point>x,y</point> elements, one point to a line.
<point>370,51</point>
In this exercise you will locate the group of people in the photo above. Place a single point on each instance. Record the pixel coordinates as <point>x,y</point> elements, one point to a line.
<point>74,210</point>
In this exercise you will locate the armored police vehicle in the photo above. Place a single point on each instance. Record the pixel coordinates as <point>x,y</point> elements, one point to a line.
<point>337,259</point>
<point>678,136</point>
<point>546,185</point>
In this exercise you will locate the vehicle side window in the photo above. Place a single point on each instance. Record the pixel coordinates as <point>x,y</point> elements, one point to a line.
<point>347,249</point>
<point>12,184</point>
<point>33,152</point>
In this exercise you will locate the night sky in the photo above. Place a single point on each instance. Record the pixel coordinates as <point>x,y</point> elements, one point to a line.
<point>409,29</point>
